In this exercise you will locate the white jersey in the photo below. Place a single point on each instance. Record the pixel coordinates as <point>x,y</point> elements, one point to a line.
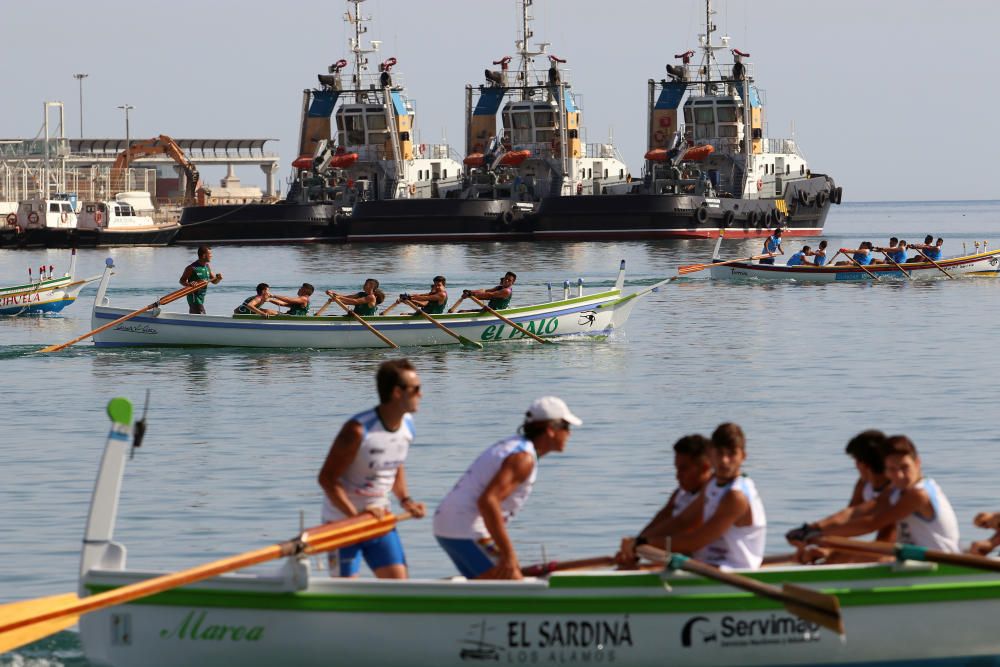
<point>940,531</point>
<point>457,517</point>
<point>372,473</point>
<point>682,499</point>
<point>740,546</point>
<point>869,492</point>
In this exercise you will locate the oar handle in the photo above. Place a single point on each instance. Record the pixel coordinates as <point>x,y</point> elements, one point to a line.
<point>911,552</point>
<point>323,308</point>
<point>455,305</point>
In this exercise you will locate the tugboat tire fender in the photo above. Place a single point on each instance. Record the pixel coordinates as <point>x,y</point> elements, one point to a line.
<point>507,218</point>
<point>836,195</point>
<point>821,199</point>
<point>701,214</point>
<point>777,217</point>
<point>803,197</point>
<point>727,218</point>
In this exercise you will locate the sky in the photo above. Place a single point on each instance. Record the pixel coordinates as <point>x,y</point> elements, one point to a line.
<point>875,89</point>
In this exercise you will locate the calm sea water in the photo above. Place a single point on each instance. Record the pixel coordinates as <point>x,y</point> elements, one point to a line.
<point>236,437</point>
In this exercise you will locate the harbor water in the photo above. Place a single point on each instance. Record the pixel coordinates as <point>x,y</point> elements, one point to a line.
<point>236,437</point>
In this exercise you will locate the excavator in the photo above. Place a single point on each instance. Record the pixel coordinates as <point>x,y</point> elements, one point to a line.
<point>161,145</point>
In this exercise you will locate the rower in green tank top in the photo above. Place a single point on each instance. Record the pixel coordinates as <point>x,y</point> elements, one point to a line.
<point>297,305</point>
<point>499,296</point>
<point>253,305</point>
<point>432,303</point>
<point>196,272</point>
<point>365,302</point>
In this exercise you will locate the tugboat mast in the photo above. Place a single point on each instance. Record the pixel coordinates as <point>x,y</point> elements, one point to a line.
<point>527,56</point>
<point>360,53</point>
<point>708,59</point>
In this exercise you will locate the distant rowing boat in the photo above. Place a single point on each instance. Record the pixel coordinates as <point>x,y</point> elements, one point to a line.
<point>49,295</point>
<point>595,314</point>
<point>979,264</point>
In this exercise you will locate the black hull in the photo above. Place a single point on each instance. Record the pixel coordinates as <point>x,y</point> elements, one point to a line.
<point>260,223</point>
<point>652,216</point>
<point>93,238</point>
<point>434,220</point>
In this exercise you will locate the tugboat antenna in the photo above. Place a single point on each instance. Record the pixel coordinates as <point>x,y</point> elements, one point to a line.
<point>527,56</point>
<point>360,53</point>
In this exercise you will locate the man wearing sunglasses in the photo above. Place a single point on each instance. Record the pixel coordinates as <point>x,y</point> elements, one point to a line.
<point>470,523</point>
<point>366,463</point>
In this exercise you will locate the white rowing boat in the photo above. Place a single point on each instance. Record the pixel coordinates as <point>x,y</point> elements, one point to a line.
<point>903,613</point>
<point>595,314</point>
<point>46,295</point>
<point>978,264</point>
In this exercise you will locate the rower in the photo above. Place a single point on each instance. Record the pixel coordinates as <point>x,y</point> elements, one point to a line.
<point>470,524</point>
<point>928,248</point>
<point>799,258</point>
<point>693,469</point>
<point>725,525</point>
<point>433,302</point>
<point>252,305</point>
<point>365,302</point>
<point>297,305</point>
<point>915,505</point>
<point>862,255</point>
<point>772,244</point>
<point>819,254</point>
<point>866,450</point>
<point>499,296</point>
<point>890,250</point>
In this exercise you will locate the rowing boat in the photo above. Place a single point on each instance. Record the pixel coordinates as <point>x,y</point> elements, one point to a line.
<point>46,295</point>
<point>596,314</point>
<point>978,264</point>
<point>901,613</point>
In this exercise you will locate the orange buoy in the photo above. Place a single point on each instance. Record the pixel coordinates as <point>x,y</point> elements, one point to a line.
<point>656,155</point>
<point>514,158</point>
<point>698,152</point>
<point>303,162</point>
<point>343,160</point>
<point>473,160</point>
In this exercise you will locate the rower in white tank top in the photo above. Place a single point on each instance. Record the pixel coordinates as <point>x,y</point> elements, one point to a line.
<point>740,546</point>
<point>372,474</point>
<point>681,500</point>
<point>457,517</point>
<point>869,492</point>
<point>938,532</point>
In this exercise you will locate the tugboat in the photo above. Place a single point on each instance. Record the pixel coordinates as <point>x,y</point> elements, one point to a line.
<point>708,164</point>
<point>537,151</point>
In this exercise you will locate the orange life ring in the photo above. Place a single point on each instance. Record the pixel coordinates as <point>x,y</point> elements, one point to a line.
<point>98,217</point>
<point>760,184</point>
<point>12,219</point>
<point>413,189</point>
<point>579,188</point>
<point>33,218</point>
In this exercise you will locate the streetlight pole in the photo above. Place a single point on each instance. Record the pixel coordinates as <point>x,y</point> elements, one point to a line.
<point>128,139</point>
<point>80,78</point>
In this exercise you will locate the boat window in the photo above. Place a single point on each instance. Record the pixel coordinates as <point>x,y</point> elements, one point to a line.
<point>352,125</point>
<point>545,119</point>
<point>53,208</point>
<point>605,173</point>
<point>788,169</point>
<point>802,169</point>
<point>522,120</point>
<point>67,208</point>
<point>590,173</point>
<point>688,116</point>
<point>621,173</point>
<point>727,131</point>
<point>376,122</point>
<point>726,114</point>
<point>704,116</point>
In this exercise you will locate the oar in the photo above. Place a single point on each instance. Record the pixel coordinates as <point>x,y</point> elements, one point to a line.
<point>804,602</point>
<point>858,264</point>
<point>541,569</point>
<point>691,268</point>
<point>455,305</point>
<point>508,321</point>
<point>323,308</point>
<point>940,268</point>
<point>896,264</point>
<point>911,552</point>
<point>31,620</point>
<point>375,331</point>
<point>467,342</point>
<point>173,296</point>
<point>393,305</point>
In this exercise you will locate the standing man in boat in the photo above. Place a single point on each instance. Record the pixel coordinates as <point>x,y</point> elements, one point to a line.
<point>499,296</point>
<point>772,244</point>
<point>470,524</point>
<point>915,505</point>
<point>195,272</point>
<point>693,469</point>
<point>366,463</point>
<point>365,302</point>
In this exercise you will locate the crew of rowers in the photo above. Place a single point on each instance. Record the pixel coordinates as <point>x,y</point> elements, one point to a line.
<point>863,255</point>
<point>366,302</point>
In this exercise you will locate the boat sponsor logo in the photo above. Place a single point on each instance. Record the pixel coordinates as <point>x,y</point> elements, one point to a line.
<point>136,328</point>
<point>736,632</point>
<point>588,318</point>
<point>994,261</point>
<point>22,299</point>
<point>505,332</point>
<point>546,642</point>
<point>196,626</point>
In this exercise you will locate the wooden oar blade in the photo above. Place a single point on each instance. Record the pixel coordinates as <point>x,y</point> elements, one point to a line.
<point>31,631</point>
<point>813,606</point>
<point>468,342</point>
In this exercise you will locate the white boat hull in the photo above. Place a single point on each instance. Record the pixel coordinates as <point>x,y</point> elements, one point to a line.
<point>46,296</point>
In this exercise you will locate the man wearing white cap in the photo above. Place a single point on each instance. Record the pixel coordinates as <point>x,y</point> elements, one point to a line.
<point>470,523</point>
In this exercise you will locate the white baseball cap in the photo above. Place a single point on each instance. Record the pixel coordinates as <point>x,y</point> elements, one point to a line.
<point>550,408</point>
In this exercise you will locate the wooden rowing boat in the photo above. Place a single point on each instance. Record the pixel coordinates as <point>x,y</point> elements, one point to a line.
<point>979,264</point>
<point>46,295</point>
<point>596,314</point>
<point>893,613</point>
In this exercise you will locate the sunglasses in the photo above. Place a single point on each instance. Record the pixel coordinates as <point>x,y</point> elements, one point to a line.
<point>565,426</point>
<point>412,388</point>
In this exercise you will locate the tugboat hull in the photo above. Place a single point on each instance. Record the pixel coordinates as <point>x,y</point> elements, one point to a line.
<point>430,220</point>
<point>260,223</point>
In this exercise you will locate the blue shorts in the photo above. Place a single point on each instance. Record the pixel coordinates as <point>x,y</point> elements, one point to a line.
<point>378,552</point>
<point>471,557</point>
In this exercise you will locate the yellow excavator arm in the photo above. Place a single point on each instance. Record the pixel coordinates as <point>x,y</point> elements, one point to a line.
<point>161,145</point>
